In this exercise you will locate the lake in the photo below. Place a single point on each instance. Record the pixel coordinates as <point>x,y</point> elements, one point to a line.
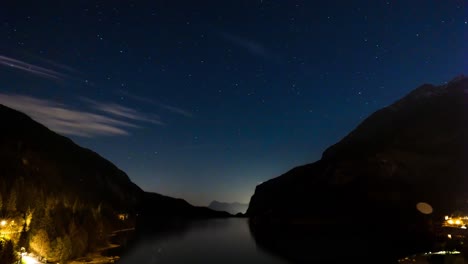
<point>203,241</point>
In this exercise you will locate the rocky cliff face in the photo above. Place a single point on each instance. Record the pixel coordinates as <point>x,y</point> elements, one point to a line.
<point>412,151</point>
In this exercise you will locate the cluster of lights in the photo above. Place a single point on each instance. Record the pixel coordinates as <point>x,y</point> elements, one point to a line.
<point>460,222</point>
<point>443,252</point>
<point>7,227</point>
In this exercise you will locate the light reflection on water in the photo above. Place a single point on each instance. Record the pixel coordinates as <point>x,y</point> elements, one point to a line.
<point>204,241</point>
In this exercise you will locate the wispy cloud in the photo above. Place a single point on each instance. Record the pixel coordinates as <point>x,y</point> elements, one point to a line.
<point>136,97</point>
<point>31,68</point>
<point>176,110</point>
<point>123,112</point>
<point>66,120</point>
<point>170,108</point>
<point>62,66</point>
<point>254,47</point>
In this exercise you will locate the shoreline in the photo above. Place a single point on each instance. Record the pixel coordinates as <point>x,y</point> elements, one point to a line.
<point>96,258</point>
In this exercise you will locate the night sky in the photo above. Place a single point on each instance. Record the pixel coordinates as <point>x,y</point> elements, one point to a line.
<point>203,100</point>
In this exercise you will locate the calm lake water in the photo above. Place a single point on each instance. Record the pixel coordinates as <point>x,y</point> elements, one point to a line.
<point>203,241</point>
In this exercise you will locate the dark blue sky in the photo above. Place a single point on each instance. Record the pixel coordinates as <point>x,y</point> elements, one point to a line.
<point>205,99</point>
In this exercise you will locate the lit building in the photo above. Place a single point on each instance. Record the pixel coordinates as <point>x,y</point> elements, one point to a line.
<point>122,217</point>
<point>459,222</point>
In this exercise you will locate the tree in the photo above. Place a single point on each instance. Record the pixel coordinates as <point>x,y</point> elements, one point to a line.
<point>63,249</point>
<point>23,239</point>
<point>49,203</point>
<point>40,243</point>
<point>11,204</point>
<point>7,253</point>
<point>28,217</point>
<point>80,239</point>
<point>76,206</point>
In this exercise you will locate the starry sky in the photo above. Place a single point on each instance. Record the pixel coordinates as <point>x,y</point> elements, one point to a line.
<point>203,100</point>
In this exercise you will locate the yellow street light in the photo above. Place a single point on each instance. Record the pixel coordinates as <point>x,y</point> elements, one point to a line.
<point>3,223</point>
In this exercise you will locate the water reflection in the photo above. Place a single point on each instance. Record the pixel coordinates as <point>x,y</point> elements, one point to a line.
<point>202,241</point>
<point>312,246</point>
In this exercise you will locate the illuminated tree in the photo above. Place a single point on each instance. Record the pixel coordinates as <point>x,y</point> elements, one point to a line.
<point>63,249</point>
<point>28,217</point>
<point>49,204</point>
<point>40,243</point>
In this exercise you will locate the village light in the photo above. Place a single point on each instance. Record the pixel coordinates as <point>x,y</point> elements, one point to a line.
<point>3,223</point>
<point>29,260</point>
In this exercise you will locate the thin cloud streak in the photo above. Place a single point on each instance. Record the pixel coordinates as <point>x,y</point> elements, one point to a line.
<point>171,108</point>
<point>176,110</point>
<point>65,120</point>
<point>251,46</point>
<point>61,66</point>
<point>123,111</point>
<point>30,68</point>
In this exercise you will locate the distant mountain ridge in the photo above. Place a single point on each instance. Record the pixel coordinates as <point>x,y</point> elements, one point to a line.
<point>412,151</point>
<point>232,208</point>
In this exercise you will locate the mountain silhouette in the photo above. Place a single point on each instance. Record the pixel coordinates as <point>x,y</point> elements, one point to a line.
<point>232,208</point>
<point>71,196</point>
<point>370,185</point>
